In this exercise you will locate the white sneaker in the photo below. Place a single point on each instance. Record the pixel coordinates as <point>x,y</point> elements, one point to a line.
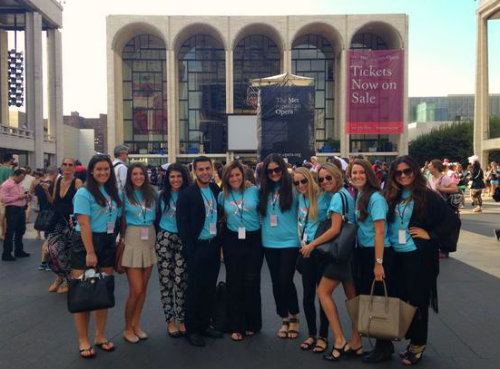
<point>477,209</point>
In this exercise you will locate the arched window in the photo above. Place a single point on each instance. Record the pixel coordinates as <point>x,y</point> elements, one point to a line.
<point>202,96</point>
<point>255,56</point>
<point>145,95</point>
<point>313,56</point>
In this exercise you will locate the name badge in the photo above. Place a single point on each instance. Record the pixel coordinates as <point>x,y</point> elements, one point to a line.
<point>274,220</point>
<point>402,236</point>
<point>144,233</point>
<point>213,229</point>
<point>242,233</point>
<point>110,227</point>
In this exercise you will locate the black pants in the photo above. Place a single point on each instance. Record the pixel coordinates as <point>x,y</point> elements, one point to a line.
<point>243,260</point>
<point>311,275</point>
<point>281,263</point>
<point>411,287</point>
<point>203,268</point>
<point>365,265</point>
<point>15,217</point>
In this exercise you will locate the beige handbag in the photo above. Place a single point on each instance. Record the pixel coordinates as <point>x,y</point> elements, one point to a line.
<point>381,317</point>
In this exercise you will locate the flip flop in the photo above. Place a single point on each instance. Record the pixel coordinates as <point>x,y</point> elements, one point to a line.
<point>101,346</point>
<point>89,350</point>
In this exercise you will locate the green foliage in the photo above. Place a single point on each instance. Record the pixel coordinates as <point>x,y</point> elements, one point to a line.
<point>453,142</point>
<point>494,126</point>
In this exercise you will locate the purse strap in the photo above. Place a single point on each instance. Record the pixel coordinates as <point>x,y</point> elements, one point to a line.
<point>385,294</point>
<point>345,204</point>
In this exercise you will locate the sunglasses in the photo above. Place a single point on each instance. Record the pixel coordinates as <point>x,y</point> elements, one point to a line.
<point>67,164</point>
<point>407,172</point>
<point>302,181</point>
<point>325,178</point>
<point>276,170</point>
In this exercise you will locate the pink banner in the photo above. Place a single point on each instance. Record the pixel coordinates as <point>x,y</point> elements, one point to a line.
<point>375,91</point>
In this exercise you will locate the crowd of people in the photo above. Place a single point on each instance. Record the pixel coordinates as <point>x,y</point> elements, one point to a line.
<point>204,214</point>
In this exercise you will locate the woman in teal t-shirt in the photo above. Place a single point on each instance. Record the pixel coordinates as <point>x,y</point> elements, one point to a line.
<point>243,253</point>
<point>172,267</point>
<point>278,208</point>
<point>138,236</point>
<point>97,206</point>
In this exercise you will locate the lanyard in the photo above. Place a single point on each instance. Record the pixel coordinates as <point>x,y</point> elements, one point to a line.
<point>276,196</point>
<point>402,214</point>
<point>304,227</point>
<point>109,204</point>
<point>239,208</point>
<point>142,206</point>
<point>209,203</point>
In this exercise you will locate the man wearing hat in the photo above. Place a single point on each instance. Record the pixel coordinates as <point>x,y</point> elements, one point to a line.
<point>119,166</point>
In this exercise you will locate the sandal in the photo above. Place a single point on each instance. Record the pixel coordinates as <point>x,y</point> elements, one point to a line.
<point>308,343</point>
<point>319,349</point>
<point>293,333</point>
<point>105,346</point>
<point>411,358</point>
<point>283,333</point>
<point>237,337</point>
<point>336,353</point>
<point>89,350</point>
<point>357,352</point>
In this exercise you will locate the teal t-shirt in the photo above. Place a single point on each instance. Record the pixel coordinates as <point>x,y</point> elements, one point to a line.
<point>377,210</point>
<point>402,216</point>
<point>241,209</point>
<point>84,203</point>
<point>168,220</point>
<point>285,234</point>
<point>210,214</point>
<point>308,225</point>
<point>5,173</point>
<point>336,205</point>
<point>139,215</point>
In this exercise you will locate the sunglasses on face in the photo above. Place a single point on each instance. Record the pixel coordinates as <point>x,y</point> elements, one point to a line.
<point>276,170</point>
<point>407,172</point>
<point>302,181</point>
<point>67,164</point>
<point>325,178</point>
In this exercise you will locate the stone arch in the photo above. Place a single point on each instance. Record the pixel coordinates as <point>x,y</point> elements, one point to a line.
<point>385,31</point>
<point>259,29</point>
<point>322,29</point>
<point>197,29</point>
<point>129,31</point>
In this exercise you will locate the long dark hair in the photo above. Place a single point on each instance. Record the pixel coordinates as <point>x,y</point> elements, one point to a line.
<point>372,185</point>
<point>110,186</point>
<point>147,191</point>
<point>166,192</point>
<point>266,185</point>
<point>393,190</point>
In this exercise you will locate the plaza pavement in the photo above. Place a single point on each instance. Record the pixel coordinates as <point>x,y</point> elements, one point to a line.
<point>36,330</point>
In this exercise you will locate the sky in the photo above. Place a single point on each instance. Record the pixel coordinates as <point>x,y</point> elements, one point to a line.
<point>442,40</point>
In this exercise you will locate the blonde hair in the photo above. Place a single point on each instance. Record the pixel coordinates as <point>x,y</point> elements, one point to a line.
<point>312,192</point>
<point>335,172</point>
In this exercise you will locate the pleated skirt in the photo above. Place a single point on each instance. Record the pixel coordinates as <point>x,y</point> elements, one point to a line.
<point>139,253</point>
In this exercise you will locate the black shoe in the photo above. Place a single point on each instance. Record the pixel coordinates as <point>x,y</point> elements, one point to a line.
<point>497,234</point>
<point>195,339</point>
<point>21,254</point>
<point>213,333</point>
<point>8,257</point>
<point>377,356</point>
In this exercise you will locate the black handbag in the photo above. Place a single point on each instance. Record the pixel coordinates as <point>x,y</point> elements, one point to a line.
<point>341,247</point>
<point>44,220</point>
<point>88,294</point>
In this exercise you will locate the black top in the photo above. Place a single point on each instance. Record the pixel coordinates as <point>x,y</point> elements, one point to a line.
<point>191,216</point>
<point>477,179</point>
<point>43,201</point>
<point>63,206</point>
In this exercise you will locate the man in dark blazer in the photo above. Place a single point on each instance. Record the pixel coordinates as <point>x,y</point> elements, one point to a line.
<point>198,214</point>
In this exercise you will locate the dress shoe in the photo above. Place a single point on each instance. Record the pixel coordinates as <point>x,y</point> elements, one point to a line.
<point>21,254</point>
<point>8,258</point>
<point>213,333</point>
<point>377,356</point>
<point>195,339</point>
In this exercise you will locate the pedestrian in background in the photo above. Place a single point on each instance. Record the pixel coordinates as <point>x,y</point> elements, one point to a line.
<point>5,173</point>
<point>120,165</point>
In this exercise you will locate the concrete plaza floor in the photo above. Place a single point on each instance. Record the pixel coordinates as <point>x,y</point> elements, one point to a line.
<point>36,330</point>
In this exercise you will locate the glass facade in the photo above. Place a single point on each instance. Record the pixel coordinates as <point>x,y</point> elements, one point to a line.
<point>202,96</point>
<point>145,95</point>
<point>371,142</point>
<point>313,56</point>
<point>255,56</point>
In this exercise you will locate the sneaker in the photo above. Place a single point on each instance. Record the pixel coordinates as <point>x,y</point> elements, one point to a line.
<point>477,209</point>
<point>42,266</point>
<point>21,254</point>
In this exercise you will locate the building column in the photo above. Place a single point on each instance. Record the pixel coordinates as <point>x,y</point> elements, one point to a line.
<point>55,90</point>
<point>34,85</point>
<point>229,82</point>
<point>481,103</point>
<point>287,61</point>
<point>172,103</point>
<point>344,137</point>
<point>4,83</point>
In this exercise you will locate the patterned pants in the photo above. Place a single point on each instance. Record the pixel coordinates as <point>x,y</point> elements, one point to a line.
<point>172,270</point>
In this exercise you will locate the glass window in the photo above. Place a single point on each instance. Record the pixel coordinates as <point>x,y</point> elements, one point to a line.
<point>145,95</point>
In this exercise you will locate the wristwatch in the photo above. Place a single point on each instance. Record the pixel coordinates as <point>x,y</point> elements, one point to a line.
<point>379,261</point>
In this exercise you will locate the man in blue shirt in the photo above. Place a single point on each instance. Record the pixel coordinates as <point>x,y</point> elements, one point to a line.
<point>197,217</point>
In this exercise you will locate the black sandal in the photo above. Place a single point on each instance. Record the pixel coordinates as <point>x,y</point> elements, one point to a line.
<point>357,352</point>
<point>320,349</point>
<point>282,333</point>
<point>101,345</point>
<point>411,358</point>
<point>90,350</point>
<point>293,331</point>
<point>307,344</point>
<point>336,350</point>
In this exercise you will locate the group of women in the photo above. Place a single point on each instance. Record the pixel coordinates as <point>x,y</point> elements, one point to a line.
<point>278,221</point>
